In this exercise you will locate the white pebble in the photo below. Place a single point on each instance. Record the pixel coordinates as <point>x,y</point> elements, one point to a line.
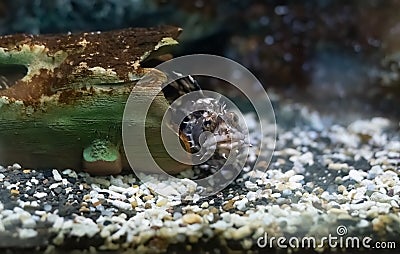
<point>117,189</point>
<point>362,224</point>
<point>338,166</point>
<point>296,178</point>
<point>16,166</point>
<point>380,197</point>
<point>70,173</point>
<point>57,177</point>
<point>120,204</point>
<point>221,225</point>
<point>375,171</point>
<point>251,195</point>
<point>54,185</point>
<point>241,204</point>
<point>250,185</point>
<point>27,233</point>
<point>40,195</point>
<point>28,222</point>
<point>83,229</point>
<point>204,205</point>
<point>357,175</point>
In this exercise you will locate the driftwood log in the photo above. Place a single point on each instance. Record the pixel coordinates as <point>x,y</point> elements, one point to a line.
<point>62,98</point>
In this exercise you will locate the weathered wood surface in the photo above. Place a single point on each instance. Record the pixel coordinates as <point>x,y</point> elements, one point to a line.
<point>72,92</point>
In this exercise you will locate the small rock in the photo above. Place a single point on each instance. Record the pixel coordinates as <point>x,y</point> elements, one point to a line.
<point>58,190</point>
<point>380,197</point>
<point>56,175</point>
<point>357,175</point>
<point>375,171</point>
<point>338,166</point>
<point>228,205</point>
<point>16,166</point>
<point>148,197</point>
<point>241,232</point>
<point>341,189</point>
<point>47,207</point>
<point>241,204</point>
<point>251,186</point>
<point>40,195</point>
<point>363,224</point>
<point>191,218</point>
<point>296,178</point>
<point>177,215</point>
<point>204,205</point>
<point>25,233</point>
<point>161,202</point>
<point>286,193</point>
<point>84,209</point>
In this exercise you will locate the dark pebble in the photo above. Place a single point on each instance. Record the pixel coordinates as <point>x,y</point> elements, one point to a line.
<point>67,210</point>
<point>58,190</point>
<point>360,164</point>
<point>31,191</point>
<point>71,180</point>
<point>47,173</point>
<point>107,222</point>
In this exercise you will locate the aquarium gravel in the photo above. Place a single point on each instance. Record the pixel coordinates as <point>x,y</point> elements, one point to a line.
<point>323,177</point>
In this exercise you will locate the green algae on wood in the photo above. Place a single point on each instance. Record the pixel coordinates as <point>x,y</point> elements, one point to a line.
<point>73,94</point>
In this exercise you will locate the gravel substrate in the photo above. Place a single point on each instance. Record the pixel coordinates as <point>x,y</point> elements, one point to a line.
<point>321,177</point>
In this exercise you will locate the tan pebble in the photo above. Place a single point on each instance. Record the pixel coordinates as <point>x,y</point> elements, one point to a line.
<point>337,211</point>
<point>84,209</point>
<point>162,202</point>
<point>191,218</point>
<point>285,206</point>
<point>97,203</point>
<point>86,186</point>
<point>204,212</point>
<point>26,171</point>
<point>14,192</point>
<point>228,205</point>
<point>134,204</point>
<point>147,206</point>
<point>241,232</point>
<point>239,212</point>
<point>213,209</point>
<point>167,217</point>
<point>86,197</point>
<point>193,239</point>
<point>147,198</point>
<point>341,188</point>
<point>204,205</point>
